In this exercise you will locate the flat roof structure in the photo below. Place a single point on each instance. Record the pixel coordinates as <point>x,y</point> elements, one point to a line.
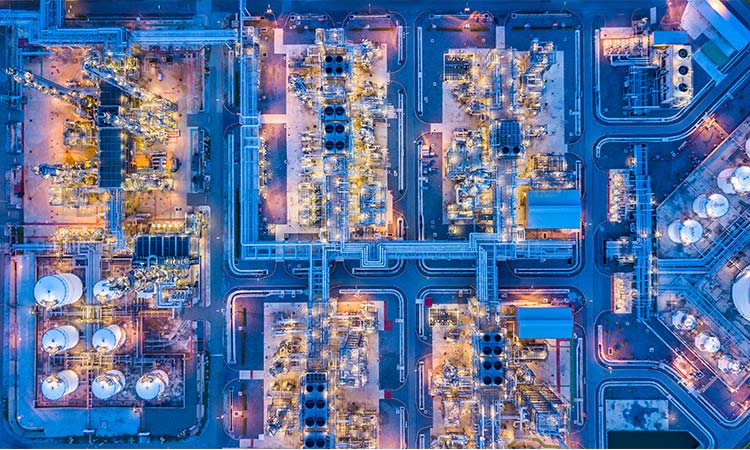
<point>544,322</point>
<point>723,21</point>
<point>554,209</point>
<point>670,38</point>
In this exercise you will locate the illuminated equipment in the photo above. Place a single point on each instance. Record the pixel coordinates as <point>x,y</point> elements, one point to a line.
<point>708,343</point>
<point>60,339</point>
<point>54,291</point>
<point>711,206</point>
<point>108,384</point>
<point>58,385</point>
<point>152,384</point>
<point>108,339</point>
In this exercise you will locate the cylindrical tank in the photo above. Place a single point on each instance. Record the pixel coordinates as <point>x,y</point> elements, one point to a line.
<point>741,179</point>
<point>60,339</point>
<point>103,292</point>
<point>708,343</point>
<point>673,231</point>
<point>682,320</point>
<point>728,364</point>
<point>58,385</point>
<point>108,339</point>
<point>152,384</point>
<point>108,384</point>
<point>711,206</point>
<point>54,291</point>
<point>691,232</point>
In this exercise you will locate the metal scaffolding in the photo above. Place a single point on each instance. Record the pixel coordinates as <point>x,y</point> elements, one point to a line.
<point>644,241</point>
<point>249,131</point>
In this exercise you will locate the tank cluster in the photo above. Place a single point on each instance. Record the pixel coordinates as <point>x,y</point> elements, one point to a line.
<point>56,291</point>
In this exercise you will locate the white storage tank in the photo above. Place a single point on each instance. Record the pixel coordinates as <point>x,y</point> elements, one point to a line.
<point>58,385</point>
<point>682,320</point>
<point>54,291</point>
<point>708,343</point>
<point>108,339</point>
<point>729,364</point>
<point>711,206</point>
<point>686,233</point>
<point>152,384</point>
<point>60,339</point>
<point>741,179</point>
<point>108,384</point>
<point>104,293</point>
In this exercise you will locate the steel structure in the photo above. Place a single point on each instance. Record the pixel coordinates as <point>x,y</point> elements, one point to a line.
<point>644,239</point>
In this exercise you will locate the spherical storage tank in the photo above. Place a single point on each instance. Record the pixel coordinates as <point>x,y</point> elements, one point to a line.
<point>58,385</point>
<point>54,291</point>
<point>108,384</point>
<point>707,343</point>
<point>60,339</point>
<point>152,385</point>
<point>108,339</point>
<point>711,206</point>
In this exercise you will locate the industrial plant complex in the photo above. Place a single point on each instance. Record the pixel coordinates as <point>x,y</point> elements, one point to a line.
<point>307,224</point>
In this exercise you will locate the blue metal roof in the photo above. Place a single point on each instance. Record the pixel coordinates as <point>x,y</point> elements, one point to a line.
<point>544,322</point>
<point>553,209</point>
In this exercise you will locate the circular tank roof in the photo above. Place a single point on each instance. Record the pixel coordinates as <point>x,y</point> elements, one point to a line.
<point>104,340</point>
<point>54,387</point>
<point>707,343</point>
<point>102,291</point>
<point>105,386</point>
<point>723,181</point>
<point>149,387</point>
<point>50,290</point>
<point>741,179</point>
<point>747,147</point>
<point>741,294</point>
<point>683,321</point>
<point>717,206</point>
<point>699,205</point>
<point>728,364</point>
<point>691,232</point>
<point>673,231</point>
<point>54,339</point>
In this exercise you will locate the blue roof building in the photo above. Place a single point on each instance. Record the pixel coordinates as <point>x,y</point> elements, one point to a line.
<point>553,209</point>
<point>544,322</point>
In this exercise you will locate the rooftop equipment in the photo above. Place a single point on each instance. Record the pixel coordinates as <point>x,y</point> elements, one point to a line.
<point>54,291</point>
